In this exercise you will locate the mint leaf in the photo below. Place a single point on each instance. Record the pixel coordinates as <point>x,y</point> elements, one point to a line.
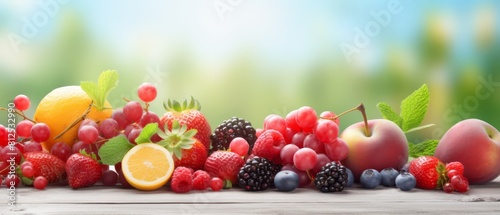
<point>389,114</point>
<point>422,149</point>
<point>147,132</point>
<point>99,92</point>
<point>114,150</point>
<point>414,108</point>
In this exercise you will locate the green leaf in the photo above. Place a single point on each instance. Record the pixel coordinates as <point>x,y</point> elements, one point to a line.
<point>414,108</point>
<point>419,128</point>
<point>389,114</point>
<point>422,149</point>
<point>99,92</point>
<point>114,150</point>
<point>147,132</point>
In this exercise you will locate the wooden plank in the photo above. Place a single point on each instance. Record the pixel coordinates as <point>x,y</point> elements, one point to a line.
<point>104,200</point>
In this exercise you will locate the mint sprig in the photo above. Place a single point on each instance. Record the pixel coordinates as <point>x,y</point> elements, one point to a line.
<point>413,110</point>
<point>113,151</point>
<point>147,132</point>
<point>99,92</point>
<point>425,148</point>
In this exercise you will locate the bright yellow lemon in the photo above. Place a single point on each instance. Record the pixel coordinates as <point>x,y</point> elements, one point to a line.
<point>147,166</point>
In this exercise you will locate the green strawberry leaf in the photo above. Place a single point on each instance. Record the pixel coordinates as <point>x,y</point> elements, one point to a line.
<point>389,114</point>
<point>114,150</point>
<point>99,92</point>
<point>422,149</point>
<point>414,108</point>
<point>147,132</point>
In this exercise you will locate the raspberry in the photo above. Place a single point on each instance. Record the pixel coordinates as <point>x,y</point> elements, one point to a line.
<point>269,144</point>
<point>216,184</point>
<point>201,180</point>
<point>459,167</point>
<point>182,181</point>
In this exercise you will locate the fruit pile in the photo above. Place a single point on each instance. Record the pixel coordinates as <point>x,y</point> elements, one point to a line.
<point>76,136</point>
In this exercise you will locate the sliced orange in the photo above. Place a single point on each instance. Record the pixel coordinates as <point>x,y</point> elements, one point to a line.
<point>147,166</point>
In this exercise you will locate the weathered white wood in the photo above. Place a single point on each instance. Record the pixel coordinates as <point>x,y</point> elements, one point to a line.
<point>484,199</point>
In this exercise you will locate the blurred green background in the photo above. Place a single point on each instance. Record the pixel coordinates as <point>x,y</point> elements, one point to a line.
<point>254,58</point>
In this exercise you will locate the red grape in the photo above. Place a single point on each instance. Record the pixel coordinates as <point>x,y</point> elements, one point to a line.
<point>109,178</point>
<point>88,134</point>
<point>123,181</point>
<point>216,184</point>
<point>239,146</point>
<point>305,159</point>
<point>291,121</point>
<point>32,146</point>
<point>448,188</point>
<point>306,118</point>
<point>322,161</point>
<point>40,132</point>
<point>269,117</point>
<point>8,153</point>
<point>258,132</point>
<point>118,166</point>
<point>40,182</point>
<point>330,115</point>
<point>289,135</point>
<point>147,92</point>
<point>25,163</point>
<point>452,173</point>
<point>149,117</point>
<point>88,122</point>
<point>133,111</point>
<point>12,181</point>
<point>276,123</point>
<point>312,142</point>
<point>109,128</point>
<point>28,171</point>
<point>81,146</point>
<point>4,141</point>
<point>337,150</point>
<point>326,131</point>
<point>61,150</point>
<point>129,128</point>
<point>23,128</point>
<point>298,139</point>
<point>22,102</point>
<point>287,153</point>
<point>134,134</point>
<point>460,183</point>
<point>120,118</point>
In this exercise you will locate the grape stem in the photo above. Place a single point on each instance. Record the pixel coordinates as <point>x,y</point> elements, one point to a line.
<point>77,120</point>
<point>360,108</point>
<point>20,113</point>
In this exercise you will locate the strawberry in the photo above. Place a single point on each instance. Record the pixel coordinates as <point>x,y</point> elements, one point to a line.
<point>186,150</point>
<point>82,170</point>
<point>189,115</point>
<point>269,145</point>
<point>457,166</point>
<point>225,165</point>
<point>429,171</point>
<point>46,165</point>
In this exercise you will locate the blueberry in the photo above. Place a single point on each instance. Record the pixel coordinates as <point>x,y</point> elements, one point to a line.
<point>286,180</point>
<point>389,177</point>
<point>370,178</point>
<point>350,178</point>
<point>406,181</point>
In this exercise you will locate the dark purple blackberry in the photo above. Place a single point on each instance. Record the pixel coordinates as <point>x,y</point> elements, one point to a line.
<point>331,178</point>
<point>257,174</point>
<point>230,129</point>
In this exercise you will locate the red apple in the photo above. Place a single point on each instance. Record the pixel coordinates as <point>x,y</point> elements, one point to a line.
<point>476,144</point>
<point>385,146</point>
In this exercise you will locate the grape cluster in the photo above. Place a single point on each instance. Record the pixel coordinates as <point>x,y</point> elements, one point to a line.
<point>29,135</point>
<point>312,141</point>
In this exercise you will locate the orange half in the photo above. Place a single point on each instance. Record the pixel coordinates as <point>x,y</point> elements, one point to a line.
<point>147,166</point>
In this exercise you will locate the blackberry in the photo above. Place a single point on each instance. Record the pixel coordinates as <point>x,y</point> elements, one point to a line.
<point>230,129</point>
<point>331,178</point>
<point>257,174</point>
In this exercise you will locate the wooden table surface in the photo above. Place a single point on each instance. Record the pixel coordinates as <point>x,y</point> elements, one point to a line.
<point>483,199</point>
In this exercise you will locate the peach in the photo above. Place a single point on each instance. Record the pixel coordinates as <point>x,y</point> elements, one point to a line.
<point>476,144</point>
